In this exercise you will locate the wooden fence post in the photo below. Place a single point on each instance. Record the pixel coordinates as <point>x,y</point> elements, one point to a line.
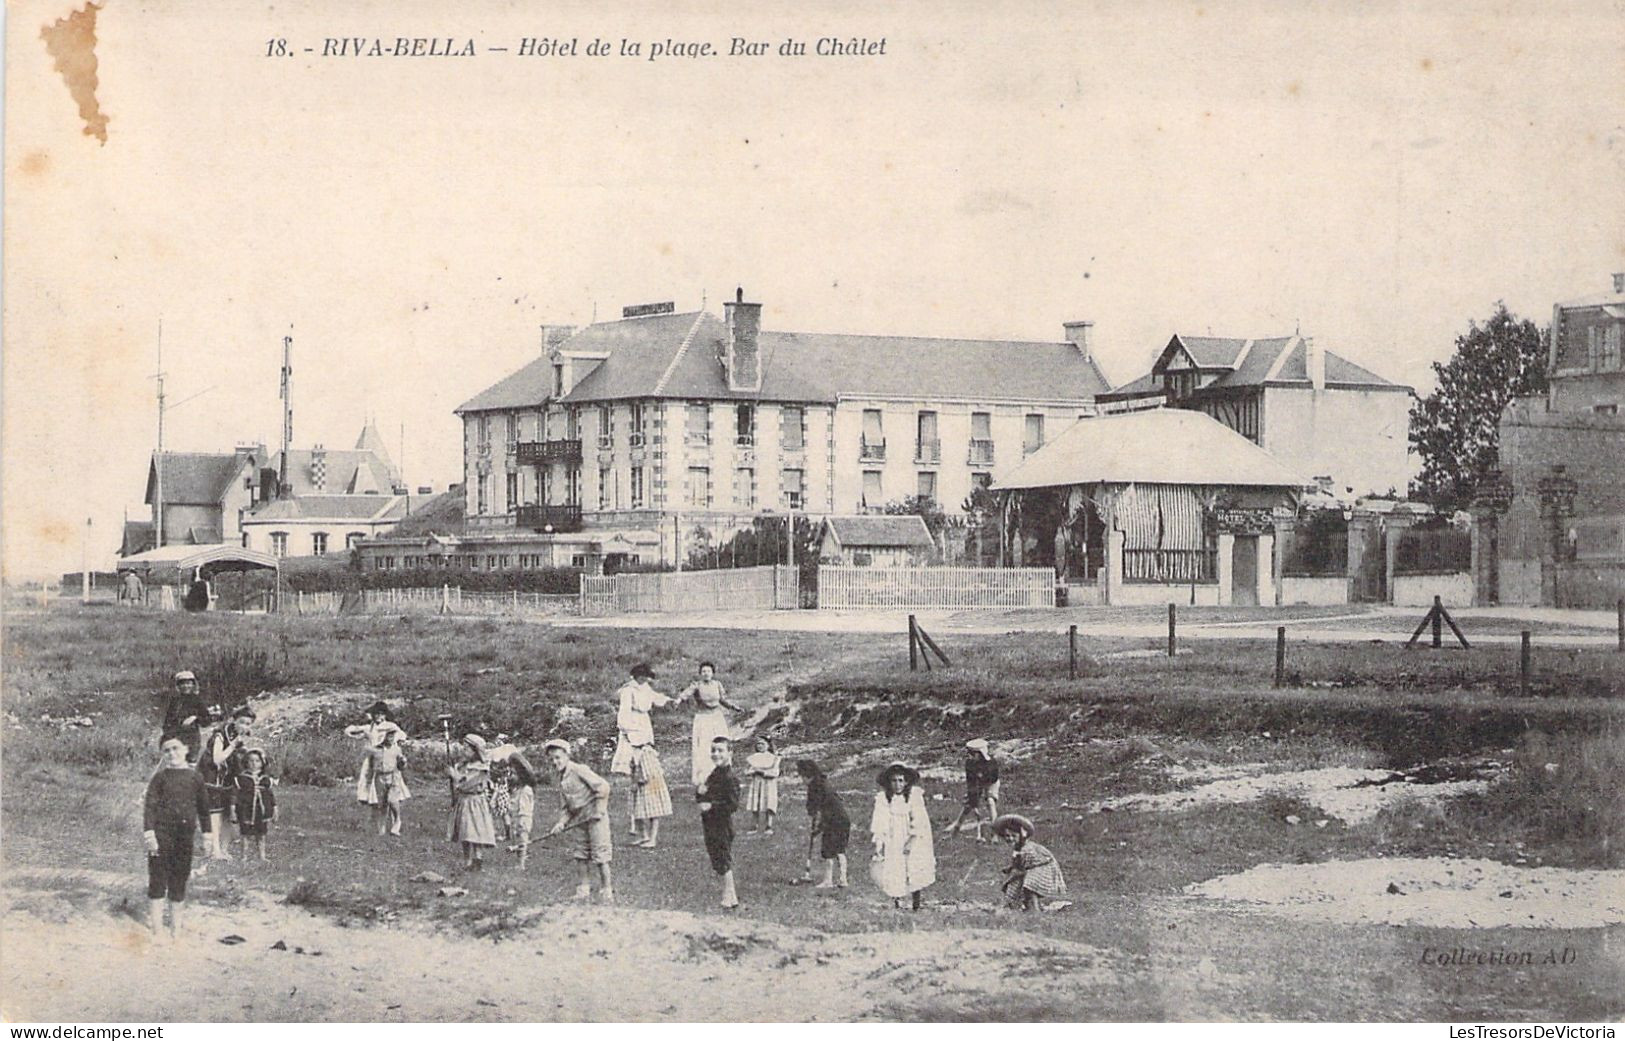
<point>1620,609</point>
<point>1072,652</point>
<point>1438,623</point>
<point>1171,615</point>
<point>913,646</point>
<point>1523,665</point>
<point>1280,656</point>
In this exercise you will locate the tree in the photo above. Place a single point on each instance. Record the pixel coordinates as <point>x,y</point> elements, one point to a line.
<point>923,506</point>
<point>1454,429</point>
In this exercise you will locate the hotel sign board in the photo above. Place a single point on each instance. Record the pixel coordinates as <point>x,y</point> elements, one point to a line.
<point>645,310</point>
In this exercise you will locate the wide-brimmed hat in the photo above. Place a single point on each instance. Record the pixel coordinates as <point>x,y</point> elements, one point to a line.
<point>910,775</point>
<point>559,743</point>
<point>977,744</point>
<point>185,674</point>
<point>476,742</point>
<point>1009,822</point>
<point>378,708</point>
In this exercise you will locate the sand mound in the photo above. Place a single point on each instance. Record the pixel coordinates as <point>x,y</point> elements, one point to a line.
<point>1435,891</point>
<point>1352,795</point>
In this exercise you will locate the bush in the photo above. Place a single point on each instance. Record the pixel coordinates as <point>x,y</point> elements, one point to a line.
<point>233,674</point>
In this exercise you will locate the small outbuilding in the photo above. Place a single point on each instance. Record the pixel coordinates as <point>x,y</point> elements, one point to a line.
<point>877,540</point>
<point>1161,506</point>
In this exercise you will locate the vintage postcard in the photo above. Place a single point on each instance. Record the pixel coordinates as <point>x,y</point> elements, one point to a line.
<point>575,512</point>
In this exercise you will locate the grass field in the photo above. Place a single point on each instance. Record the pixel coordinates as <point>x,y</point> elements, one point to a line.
<point>1127,725</point>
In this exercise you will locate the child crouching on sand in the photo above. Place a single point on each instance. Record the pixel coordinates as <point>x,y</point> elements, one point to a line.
<point>1033,872</point>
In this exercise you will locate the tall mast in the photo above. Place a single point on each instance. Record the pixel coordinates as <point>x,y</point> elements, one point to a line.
<point>158,459</point>
<point>287,412</point>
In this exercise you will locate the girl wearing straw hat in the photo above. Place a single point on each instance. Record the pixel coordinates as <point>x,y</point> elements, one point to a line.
<point>1033,872</point>
<point>471,823</point>
<point>904,861</point>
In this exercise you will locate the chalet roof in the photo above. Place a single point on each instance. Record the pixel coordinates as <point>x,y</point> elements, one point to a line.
<point>677,356</point>
<point>139,537</point>
<point>1594,300</point>
<point>350,471</point>
<point>331,507</point>
<point>882,530</point>
<point>1157,446</point>
<point>1274,361</point>
<point>372,441</point>
<point>195,478</point>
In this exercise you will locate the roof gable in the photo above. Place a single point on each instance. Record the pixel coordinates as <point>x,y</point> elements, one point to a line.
<point>882,530</point>
<point>195,478</point>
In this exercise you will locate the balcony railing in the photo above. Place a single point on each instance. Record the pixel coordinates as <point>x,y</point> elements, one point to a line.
<point>558,516</point>
<point>872,450</point>
<point>606,442</point>
<point>1172,566</point>
<point>981,452</point>
<point>928,451</point>
<point>745,440</point>
<point>542,453</point>
<point>636,438</point>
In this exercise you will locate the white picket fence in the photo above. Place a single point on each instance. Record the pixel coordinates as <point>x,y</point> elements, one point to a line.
<point>761,588</point>
<point>434,600</point>
<point>843,587</point>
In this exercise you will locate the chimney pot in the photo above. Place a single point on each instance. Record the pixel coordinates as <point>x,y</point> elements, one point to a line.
<point>739,295</point>
<point>1619,281</point>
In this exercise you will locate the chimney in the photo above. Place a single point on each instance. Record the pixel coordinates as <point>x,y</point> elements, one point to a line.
<point>318,468</point>
<point>1081,334</point>
<point>743,361</point>
<point>555,336</point>
<point>1314,362</point>
<point>1619,281</point>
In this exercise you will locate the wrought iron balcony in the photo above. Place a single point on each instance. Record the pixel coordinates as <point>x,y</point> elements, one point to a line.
<point>872,450</point>
<point>563,517</point>
<point>981,451</point>
<point>928,451</point>
<point>541,453</point>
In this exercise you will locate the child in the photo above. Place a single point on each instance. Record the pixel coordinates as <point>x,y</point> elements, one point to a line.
<point>718,798</point>
<point>981,786</point>
<point>176,805</point>
<point>762,792</point>
<point>471,823</point>
<point>635,749</point>
<point>830,824</point>
<point>253,800</point>
<point>218,767</point>
<point>584,812</point>
<point>385,768</point>
<point>1033,871</point>
<point>521,780</point>
<point>372,731</point>
<point>904,862</point>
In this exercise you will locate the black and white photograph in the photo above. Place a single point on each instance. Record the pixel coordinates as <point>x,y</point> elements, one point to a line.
<point>932,513</point>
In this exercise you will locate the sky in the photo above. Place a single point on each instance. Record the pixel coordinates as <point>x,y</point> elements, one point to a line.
<point>1374,175</point>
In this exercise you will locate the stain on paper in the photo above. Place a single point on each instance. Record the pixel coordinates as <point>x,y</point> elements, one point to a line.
<point>71,42</point>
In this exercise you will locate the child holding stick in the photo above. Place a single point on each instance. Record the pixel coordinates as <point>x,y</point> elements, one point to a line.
<point>830,825</point>
<point>584,813</point>
<point>1033,872</point>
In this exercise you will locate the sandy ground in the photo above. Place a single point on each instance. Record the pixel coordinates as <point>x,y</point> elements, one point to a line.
<point>563,962</point>
<point>1352,795</point>
<point>1437,892</point>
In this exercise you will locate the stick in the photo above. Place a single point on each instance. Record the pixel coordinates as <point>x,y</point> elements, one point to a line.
<point>1280,655</point>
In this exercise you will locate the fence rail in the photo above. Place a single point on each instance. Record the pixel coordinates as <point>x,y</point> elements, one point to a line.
<point>750,588</point>
<point>842,587</point>
<point>1170,565</point>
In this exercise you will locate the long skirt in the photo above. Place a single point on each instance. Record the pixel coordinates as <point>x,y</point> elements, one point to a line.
<point>650,796</point>
<point>363,783</point>
<point>762,793</point>
<point>708,726</point>
<point>621,763</point>
<point>471,821</point>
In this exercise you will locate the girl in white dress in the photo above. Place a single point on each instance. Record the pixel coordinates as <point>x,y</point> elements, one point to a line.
<point>905,862</point>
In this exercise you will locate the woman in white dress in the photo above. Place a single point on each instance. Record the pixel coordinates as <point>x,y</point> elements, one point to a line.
<point>711,707</point>
<point>905,861</point>
<point>636,756</point>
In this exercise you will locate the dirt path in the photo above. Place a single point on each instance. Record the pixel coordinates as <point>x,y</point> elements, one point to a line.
<point>562,962</point>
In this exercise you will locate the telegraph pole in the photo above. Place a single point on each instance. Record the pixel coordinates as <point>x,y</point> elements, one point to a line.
<point>158,459</point>
<point>287,412</point>
<point>84,564</point>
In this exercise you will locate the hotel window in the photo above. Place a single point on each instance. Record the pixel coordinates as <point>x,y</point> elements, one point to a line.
<point>792,483</point>
<point>547,486</point>
<point>353,538</point>
<point>1608,347</point>
<point>606,427</point>
<point>793,428</point>
<point>638,417</point>
<point>572,486</point>
<point>1033,438</point>
<point>513,491</point>
<point>871,488</point>
<point>637,488</point>
<point>318,544</point>
<point>572,424</point>
<point>927,449</point>
<point>745,425</point>
<point>509,428</point>
<point>745,488</point>
<point>927,487</point>
<point>279,543</point>
<point>558,381</point>
<point>699,487</point>
<point>874,437</point>
<point>981,438</point>
<point>485,428</point>
<point>605,477</point>
<point>698,425</point>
